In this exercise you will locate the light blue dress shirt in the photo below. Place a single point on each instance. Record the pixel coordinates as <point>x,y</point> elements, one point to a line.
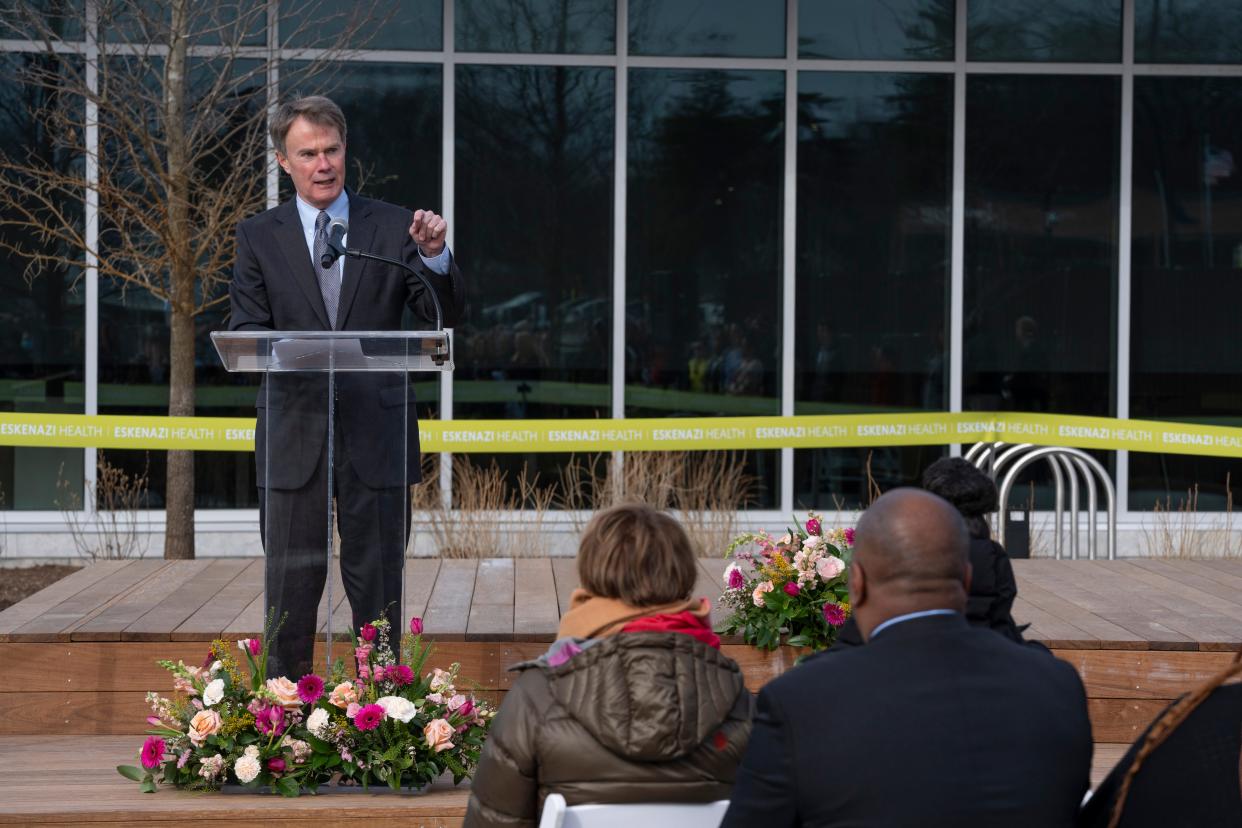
<point>910,616</point>
<point>339,209</point>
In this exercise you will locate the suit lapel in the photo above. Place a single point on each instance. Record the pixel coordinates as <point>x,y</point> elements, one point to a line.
<point>292,243</point>
<point>361,232</point>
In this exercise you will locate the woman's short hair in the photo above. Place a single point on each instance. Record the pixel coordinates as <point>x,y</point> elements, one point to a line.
<point>969,489</point>
<point>317,109</point>
<point>638,555</point>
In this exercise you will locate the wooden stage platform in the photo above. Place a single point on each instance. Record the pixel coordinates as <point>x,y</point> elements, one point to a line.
<point>77,659</point>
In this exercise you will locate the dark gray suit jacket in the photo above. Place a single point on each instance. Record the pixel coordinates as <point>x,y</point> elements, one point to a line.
<point>274,287</point>
<point>933,723</point>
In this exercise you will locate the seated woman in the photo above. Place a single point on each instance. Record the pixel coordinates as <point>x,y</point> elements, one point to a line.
<point>992,585</point>
<point>634,702</point>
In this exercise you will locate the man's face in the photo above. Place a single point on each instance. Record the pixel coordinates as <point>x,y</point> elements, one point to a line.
<point>314,158</point>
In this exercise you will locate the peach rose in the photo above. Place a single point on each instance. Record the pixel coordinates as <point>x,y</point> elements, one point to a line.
<point>343,695</point>
<point>439,734</point>
<point>205,723</point>
<point>285,691</point>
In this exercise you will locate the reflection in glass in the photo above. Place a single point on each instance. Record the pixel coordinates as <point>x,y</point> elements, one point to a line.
<point>725,28</point>
<point>1186,341</point>
<point>534,210</point>
<point>555,26</point>
<point>703,258</point>
<point>408,24</point>
<point>1041,244</point>
<point>59,19</point>
<point>41,318</point>
<point>1187,31</point>
<point>1044,30</point>
<point>867,30</point>
<point>874,171</point>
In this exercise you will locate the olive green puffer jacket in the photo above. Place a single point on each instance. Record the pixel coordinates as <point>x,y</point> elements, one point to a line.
<point>636,717</point>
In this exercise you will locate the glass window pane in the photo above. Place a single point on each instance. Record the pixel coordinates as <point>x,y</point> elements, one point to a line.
<point>725,28</point>
<point>61,19</point>
<point>580,27</point>
<point>534,218</point>
<point>867,30</point>
<point>392,24</point>
<point>1084,31</point>
<point>874,174</point>
<point>42,322</point>
<point>704,247</point>
<point>1187,31</point>
<point>1186,346</point>
<point>1041,243</point>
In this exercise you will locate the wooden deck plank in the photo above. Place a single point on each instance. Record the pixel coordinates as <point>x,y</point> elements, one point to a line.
<point>1190,578</point>
<point>158,623</point>
<point>491,610</point>
<point>1205,602</point>
<point>565,571</point>
<point>1053,631</point>
<point>535,606</point>
<point>420,577</point>
<point>210,620</point>
<point>1069,580</point>
<point>448,609</point>
<point>1109,634</point>
<point>45,599</point>
<point>59,622</point>
<point>249,622</point>
<point>1197,623</point>
<point>1225,577</point>
<point>108,624</point>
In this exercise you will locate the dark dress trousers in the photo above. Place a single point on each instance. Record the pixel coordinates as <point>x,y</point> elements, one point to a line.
<point>275,287</point>
<point>933,723</point>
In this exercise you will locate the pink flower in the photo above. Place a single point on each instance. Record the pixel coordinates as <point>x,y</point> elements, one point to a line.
<point>344,694</point>
<point>439,735</point>
<point>829,567</point>
<point>400,675</point>
<point>276,764</point>
<point>368,632</point>
<point>736,579</point>
<point>456,701</point>
<point>791,588</point>
<point>352,710</point>
<point>362,653</point>
<point>364,672</point>
<point>369,717</point>
<point>756,597</point>
<point>849,536</point>
<point>205,723</point>
<point>379,673</point>
<point>416,625</point>
<point>310,688</point>
<point>152,752</point>
<point>834,614</point>
<point>183,759</point>
<point>270,719</point>
<point>466,708</point>
<point>814,527</point>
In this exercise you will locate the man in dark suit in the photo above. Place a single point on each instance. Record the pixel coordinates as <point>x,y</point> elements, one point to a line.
<point>280,284</point>
<point>933,723</point>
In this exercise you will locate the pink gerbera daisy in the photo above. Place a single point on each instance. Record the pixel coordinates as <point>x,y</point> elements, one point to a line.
<point>834,614</point>
<point>152,752</point>
<point>369,717</point>
<point>310,688</point>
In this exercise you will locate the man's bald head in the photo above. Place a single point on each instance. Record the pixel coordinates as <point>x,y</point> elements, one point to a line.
<point>912,552</point>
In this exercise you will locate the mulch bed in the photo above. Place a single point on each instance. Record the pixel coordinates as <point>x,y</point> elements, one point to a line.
<point>18,584</point>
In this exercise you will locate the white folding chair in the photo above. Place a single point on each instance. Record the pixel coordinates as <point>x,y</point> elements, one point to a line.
<point>556,814</point>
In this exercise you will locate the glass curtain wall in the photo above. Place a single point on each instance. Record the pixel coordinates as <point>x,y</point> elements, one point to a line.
<point>735,170</point>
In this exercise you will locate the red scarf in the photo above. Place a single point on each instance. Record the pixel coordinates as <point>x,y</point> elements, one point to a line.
<point>688,622</point>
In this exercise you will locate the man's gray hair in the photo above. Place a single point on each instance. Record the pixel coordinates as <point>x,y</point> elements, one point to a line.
<point>317,109</point>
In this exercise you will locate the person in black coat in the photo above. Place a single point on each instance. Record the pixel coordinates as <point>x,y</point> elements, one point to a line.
<point>934,722</point>
<point>992,584</point>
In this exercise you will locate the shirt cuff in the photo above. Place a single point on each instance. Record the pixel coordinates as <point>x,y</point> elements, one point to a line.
<point>440,264</point>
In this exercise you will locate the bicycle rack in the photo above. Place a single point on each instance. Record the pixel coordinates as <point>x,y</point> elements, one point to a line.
<point>1068,465</point>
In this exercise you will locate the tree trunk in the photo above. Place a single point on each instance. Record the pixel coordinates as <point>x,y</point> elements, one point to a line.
<point>179,497</point>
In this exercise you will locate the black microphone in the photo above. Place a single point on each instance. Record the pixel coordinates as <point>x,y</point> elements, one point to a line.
<point>336,242</point>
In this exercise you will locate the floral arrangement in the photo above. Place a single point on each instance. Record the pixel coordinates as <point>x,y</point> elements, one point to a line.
<point>387,726</point>
<point>793,586</point>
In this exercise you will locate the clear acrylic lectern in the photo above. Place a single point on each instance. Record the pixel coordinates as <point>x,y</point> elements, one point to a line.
<point>336,445</point>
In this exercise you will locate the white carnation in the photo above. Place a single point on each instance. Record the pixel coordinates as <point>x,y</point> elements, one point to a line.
<point>318,722</point>
<point>214,692</point>
<point>252,752</point>
<point>215,667</point>
<point>246,768</point>
<point>397,708</point>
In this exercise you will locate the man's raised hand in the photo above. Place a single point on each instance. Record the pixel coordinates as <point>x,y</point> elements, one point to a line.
<point>428,230</point>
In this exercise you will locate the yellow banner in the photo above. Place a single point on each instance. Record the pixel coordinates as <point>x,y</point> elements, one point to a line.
<point>657,434</point>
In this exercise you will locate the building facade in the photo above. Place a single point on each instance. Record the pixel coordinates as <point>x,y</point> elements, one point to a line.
<point>677,208</point>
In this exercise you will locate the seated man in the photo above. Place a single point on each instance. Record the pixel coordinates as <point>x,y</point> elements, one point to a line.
<point>934,722</point>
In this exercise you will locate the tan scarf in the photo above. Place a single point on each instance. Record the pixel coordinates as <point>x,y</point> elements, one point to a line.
<point>590,616</point>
